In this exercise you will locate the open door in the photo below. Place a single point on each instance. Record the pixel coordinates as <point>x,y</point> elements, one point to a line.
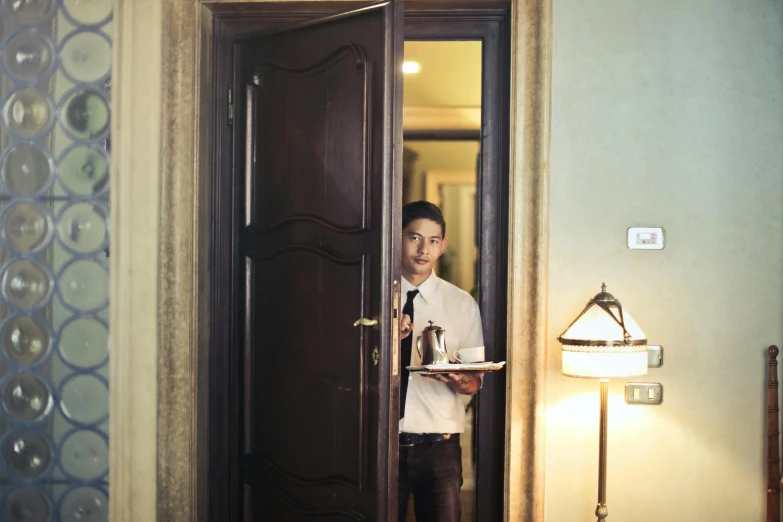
<point>317,192</point>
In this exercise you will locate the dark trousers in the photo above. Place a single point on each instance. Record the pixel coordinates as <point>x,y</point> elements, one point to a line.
<point>433,473</point>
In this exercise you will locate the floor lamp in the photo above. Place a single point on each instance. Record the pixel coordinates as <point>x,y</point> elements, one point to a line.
<point>602,343</point>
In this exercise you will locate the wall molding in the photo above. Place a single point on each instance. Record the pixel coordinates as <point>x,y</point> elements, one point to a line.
<point>531,72</point>
<point>441,118</point>
<point>136,176</point>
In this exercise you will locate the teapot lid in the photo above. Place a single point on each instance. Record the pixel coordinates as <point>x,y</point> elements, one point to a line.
<point>432,327</point>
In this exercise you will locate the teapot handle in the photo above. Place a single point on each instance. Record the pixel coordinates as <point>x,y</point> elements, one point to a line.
<point>418,347</point>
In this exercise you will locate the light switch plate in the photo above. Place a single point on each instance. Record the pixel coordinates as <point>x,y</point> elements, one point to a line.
<point>645,238</point>
<point>654,356</point>
<point>643,393</point>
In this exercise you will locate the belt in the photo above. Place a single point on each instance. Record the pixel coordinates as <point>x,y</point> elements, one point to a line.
<point>412,439</point>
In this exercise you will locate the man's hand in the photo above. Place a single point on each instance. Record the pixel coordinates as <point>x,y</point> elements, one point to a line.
<point>465,383</point>
<point>406,326</point>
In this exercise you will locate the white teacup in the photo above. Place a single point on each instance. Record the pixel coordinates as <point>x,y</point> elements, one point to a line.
<point>470,355</point>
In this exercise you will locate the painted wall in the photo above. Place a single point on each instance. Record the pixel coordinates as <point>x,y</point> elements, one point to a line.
<point>439,155</point>
<point>668,113</point>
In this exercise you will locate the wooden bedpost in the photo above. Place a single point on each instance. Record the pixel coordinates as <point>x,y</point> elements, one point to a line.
<point>773,439</point>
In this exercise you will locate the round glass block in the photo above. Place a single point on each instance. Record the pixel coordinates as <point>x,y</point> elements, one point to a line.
<point>25,226</point>
<point>28,12</point>
<point>26,398</point>
<point>82,227</point>
<point>84,455</point>
<point>84,285</point>
<point>26,284</point>
<point>27,454</point>
<point>84,171</point>
<point>84,342</point>
<point>84,399</point>
<point>27,113</point>
<point>28,55</point>
<point>86,56</point>
<point>27,505</point>
<point>86,114</point>
<point>84,505</point>
<point>25,340</point>
<point>88,12</point>
<point>26,169</point>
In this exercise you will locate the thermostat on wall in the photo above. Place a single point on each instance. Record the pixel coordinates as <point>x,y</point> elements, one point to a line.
<point>640,238</point>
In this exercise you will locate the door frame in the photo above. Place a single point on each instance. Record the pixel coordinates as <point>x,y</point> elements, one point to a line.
<point>158,447</point>
<point>488,24</point>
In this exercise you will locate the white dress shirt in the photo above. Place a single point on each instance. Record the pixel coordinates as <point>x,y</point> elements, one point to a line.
<point>432,406</point>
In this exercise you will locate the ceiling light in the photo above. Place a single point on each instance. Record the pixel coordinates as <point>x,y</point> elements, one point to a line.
<point>410,67</point>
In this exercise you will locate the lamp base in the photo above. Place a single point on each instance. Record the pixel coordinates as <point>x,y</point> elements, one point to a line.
<point>601,512</point>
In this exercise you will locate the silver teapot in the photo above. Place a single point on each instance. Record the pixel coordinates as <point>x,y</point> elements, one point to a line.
<point>431,345</point>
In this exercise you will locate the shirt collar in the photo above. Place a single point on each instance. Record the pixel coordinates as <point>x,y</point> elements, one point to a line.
<point>427,289</point>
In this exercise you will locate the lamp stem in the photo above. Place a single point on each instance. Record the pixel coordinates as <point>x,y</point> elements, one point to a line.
<point>601,511</point>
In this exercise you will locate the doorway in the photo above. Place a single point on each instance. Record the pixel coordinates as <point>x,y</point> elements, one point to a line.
<point>464,136</point>
<point>486,27</point>
<point>441,157</point>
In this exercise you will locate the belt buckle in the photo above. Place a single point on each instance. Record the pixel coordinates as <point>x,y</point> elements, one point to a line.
<point>408,437</point>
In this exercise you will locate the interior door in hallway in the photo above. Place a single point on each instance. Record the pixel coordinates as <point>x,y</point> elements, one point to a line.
<point>317,189</point>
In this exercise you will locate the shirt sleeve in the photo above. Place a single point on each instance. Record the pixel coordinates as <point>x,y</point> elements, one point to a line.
<point>472,334</point>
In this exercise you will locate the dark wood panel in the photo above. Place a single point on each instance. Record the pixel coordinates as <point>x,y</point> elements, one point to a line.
<point>291,91</point>
<point>278,12</point>
<point>309,367</point>
<point>442,135</point>
<point>424,20</point>
<point>279,508</point>
<point>312,189</point>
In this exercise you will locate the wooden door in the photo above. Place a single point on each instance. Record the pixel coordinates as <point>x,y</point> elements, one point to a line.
<point>317,220</point>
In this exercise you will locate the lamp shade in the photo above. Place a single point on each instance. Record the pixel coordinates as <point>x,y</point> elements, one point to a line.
<point>604,342</point>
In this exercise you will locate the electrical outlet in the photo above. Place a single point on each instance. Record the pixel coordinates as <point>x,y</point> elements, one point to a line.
<point>641,238</point>
<point>643,393</point>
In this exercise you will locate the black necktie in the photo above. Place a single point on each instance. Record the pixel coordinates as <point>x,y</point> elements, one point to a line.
<point>407,346</point>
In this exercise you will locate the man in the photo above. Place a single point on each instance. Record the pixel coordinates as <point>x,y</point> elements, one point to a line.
<point>431,414</point>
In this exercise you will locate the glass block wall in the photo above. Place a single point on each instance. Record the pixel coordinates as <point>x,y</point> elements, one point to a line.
<point>55,79</point>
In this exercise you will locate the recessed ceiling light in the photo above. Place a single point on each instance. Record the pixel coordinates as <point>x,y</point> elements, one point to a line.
<point>410,67</point>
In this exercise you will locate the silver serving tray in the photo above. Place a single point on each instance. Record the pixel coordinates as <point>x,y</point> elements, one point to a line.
<point>458,367</point>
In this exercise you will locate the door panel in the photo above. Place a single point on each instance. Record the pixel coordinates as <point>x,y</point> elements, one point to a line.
<point>330,97</point>
<point>317,193</point>
<point>310,390</point>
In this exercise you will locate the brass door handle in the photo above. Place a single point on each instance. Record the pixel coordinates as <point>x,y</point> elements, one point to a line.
<point>367,322</point>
